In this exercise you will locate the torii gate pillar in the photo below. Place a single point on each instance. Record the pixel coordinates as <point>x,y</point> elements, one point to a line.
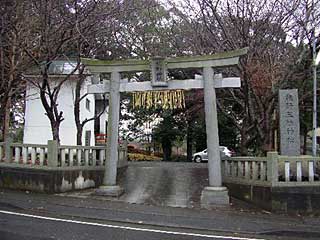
<point>109,186</point>
<point>215,193</point>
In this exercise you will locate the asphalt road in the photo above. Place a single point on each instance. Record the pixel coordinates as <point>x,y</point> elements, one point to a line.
<point>14,226</point>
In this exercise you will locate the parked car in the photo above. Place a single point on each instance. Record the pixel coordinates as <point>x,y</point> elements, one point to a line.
<point>203,155</point>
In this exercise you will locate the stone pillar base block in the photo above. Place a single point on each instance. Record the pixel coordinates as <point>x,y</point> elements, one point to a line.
<point>213,197</point>
<point>109,191</point>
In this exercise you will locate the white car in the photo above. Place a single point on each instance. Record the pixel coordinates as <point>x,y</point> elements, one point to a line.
<point>203,155</point>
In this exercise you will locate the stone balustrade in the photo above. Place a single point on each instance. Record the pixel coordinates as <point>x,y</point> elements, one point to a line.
<point>27,154</point>
<point>245,170</point>
<point>70,156</point>
<point>53,168</point>
<point>87,156</point>
<point>298,171</point>
<point>272,170</point>
<point>53,155</point>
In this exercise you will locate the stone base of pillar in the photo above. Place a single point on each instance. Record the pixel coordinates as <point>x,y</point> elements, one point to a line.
<point>212,197</point>
<point>110,191</point>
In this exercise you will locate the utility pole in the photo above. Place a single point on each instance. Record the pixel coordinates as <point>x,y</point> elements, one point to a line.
<point>314,123</point>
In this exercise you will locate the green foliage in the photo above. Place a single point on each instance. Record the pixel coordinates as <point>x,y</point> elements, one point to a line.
<point>18,135</point>
<point>199,134</point>
<point>170,129</point>
<point>228,133</point>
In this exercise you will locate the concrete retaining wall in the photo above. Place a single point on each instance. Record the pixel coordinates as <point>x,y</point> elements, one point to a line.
<point>50,181</point>
<point>279,199</point>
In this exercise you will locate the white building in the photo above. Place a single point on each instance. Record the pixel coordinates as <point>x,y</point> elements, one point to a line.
<point>37,129</point>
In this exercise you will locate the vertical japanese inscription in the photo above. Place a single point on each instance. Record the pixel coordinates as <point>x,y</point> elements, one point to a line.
<point>289,122</point>
<point>159,72</point>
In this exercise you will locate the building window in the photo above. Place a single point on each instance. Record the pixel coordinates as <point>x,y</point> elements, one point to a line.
<point>87,104</point>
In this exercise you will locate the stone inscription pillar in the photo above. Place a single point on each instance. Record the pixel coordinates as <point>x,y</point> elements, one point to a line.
<point>289,122</point>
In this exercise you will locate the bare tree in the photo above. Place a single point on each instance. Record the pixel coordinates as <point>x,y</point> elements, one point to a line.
<point>13,62</point>
<point>266,28</point>
<point>94,20</point>
<point>58,34</point>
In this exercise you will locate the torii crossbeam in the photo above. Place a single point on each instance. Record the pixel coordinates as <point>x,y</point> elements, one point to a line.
<point>215,193</point>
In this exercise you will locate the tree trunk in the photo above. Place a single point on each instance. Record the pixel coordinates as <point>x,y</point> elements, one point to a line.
<point>189,142</point>
<point>79,135</point>
<point>51,107</point>
<point>6,122</point>
<point>2,104</point>
<point>167,149</point>
<point>55,127</point>
<point>76,109</point>
<point>2,120</point>
<point>305,137</point>
<point>268,137</point>
<point>243,143</point>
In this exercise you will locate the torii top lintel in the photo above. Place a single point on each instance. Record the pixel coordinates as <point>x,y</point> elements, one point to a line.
<point>216,60</point>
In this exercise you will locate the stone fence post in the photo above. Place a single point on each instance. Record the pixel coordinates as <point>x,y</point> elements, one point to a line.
<point>125,146</point>
<point>123,154</point>
<point>272,167</point>
<point>52,153</point>
<point>8,150</point>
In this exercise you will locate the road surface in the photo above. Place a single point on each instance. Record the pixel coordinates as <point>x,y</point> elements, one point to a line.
<point>26,226</point>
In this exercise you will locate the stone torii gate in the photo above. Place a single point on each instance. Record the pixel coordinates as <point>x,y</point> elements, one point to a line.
<point>215,193</point>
